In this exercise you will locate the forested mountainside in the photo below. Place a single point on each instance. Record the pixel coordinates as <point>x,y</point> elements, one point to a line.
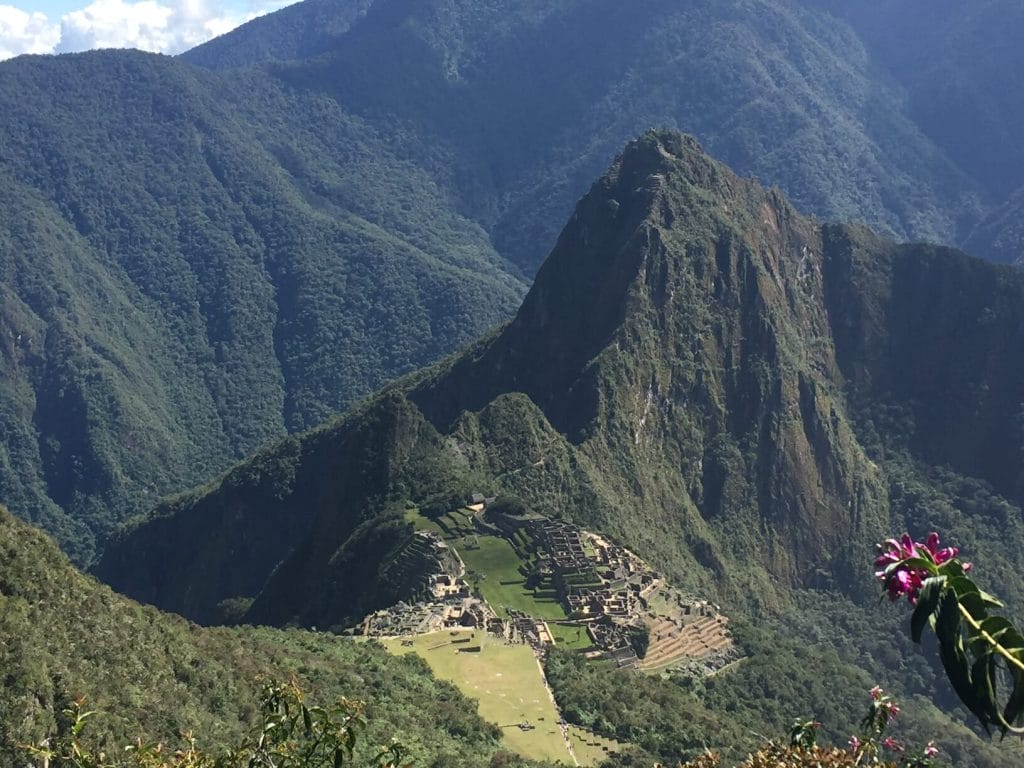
<point>957,64</point>
<point>698,369</point>
<point>1001,234</point>
<point>203,254</point>
<point>865,111</point>
<point>192,266</point>
<point>747,397</point>
<point>153,675</point>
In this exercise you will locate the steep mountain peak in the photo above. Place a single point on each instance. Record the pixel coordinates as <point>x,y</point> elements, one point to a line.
<point>679,329</point>
<point>685,375</point>
<point>665,212</point>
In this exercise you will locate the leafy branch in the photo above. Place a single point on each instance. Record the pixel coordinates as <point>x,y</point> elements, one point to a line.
<point>981,653</point>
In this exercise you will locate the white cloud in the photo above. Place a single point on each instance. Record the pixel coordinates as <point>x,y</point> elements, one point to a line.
<point>22,32</point>
<point>164,26</point>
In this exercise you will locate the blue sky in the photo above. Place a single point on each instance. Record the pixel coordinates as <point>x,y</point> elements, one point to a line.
<point>164,26</point>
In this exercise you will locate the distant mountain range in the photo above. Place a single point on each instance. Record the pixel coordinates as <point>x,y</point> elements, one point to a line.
<point>201,255</point>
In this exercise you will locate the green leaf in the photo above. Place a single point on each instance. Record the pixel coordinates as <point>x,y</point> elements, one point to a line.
<point>990,600</point>
<point>927,602</point>
<point>963,586</point>
<point>954,660</point>
<point>1015,703</point>
<point>983,679</point>
<point>997,627</point>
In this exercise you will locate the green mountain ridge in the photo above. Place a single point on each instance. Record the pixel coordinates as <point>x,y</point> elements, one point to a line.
<point>708,402</point>
<point>711,69</point>
<point>282,220</point>
<point>179,295</point>
<point>746,397</point>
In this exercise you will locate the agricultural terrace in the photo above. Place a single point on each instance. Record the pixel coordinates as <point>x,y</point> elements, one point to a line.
<point>590,748</point>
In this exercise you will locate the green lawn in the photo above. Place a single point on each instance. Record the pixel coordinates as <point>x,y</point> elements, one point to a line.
<point>570,637</point>
<point>450,526</point>
<point>505,680</point>
<point>493,569</point>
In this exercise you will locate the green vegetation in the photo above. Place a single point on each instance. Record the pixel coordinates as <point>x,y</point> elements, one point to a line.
<point>154,675</point>
<point>504,679</point>
<point>785,91</point>
<point>591,749</point>
<point>201,255</point>
<point>498,570</point>
<point>192,265</point>
<point>495,570</point>
<point>290,733</point>
<point>572,636</point>
<point>744,397</point>
<point>656,715</point>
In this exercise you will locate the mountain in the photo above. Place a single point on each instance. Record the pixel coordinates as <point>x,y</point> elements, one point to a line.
<point>957,65</point>
<point>295,33</point>
<point>747,397</point>
<point>782,90</point>
<point>153,675</point>
<point>193,266</point>
<point>698,369</point>
<point>203,254</point>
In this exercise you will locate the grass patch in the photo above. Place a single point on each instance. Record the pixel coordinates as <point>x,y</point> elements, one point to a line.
<point>421,522</point>
<point>574,637</point>
<point>493,569</point>
<point>459,523</point>
<point>506,682</point>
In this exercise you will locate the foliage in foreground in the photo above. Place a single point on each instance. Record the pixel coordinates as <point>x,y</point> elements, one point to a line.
<point>289,734</point>
<point>978,649</point>
<point>776,755</point>
<point>153,675</point>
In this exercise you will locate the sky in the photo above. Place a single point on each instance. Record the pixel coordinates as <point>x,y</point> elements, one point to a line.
<point>162,26</point>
